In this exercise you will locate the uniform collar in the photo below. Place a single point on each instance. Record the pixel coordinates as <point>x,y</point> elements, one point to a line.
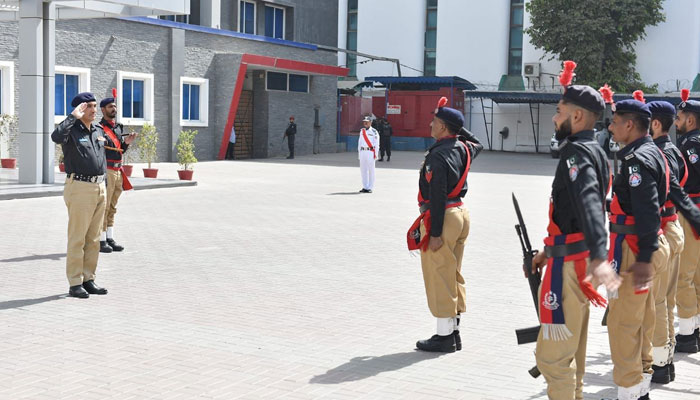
<point>582,135</point>
<point>105,121</point>
<point>443,140</point>
<point>662,139</point>
<point>634,145</point>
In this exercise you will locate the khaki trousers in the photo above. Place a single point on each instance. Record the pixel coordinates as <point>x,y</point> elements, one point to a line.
<point>675,237</point>
<point>631,322</point>
<point>114,190</point>
<point>563,362</point>
<point>444,284</point>
<point>86,210</point>
<point>688,294</point>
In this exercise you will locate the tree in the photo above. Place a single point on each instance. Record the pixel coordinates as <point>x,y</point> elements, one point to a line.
<point>598,35</point>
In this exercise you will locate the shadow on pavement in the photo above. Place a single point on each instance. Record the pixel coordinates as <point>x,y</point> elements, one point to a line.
<point>343,193</point>
<point>54,257</point>
<point>6,305</point>
<point>364,367</point>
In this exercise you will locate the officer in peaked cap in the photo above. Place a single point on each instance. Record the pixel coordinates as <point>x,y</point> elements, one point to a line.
<point>367,150</point>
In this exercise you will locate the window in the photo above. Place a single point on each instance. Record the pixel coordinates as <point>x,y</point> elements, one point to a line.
<point>176,18</point>
<point>352,38</point>
<point>515,38</point>
<point>287,82</point>
<point>7,87</point>
<point>246,17</point>
<point>274,22</point>
<point>194,107</point>
<point>136,92</point>
<point>430,38</point>
<point>69,82</point>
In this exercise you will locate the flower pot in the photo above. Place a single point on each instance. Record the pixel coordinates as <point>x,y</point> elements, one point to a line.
<point>62,167</point>
<point>8,162</point>
<point>128,169</point>
<point>150,172</point>
<point>185,174</point>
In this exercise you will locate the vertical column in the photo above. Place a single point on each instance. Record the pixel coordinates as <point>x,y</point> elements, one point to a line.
<point>49,147</point>
<point>210,13</point>
<point>31,91</point>
<point>177,70</point>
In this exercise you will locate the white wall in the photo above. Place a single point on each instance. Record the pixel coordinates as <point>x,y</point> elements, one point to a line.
<point>549,69</point>
<point>342,30</point>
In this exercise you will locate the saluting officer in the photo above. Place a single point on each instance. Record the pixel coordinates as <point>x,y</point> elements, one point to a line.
<point>688,295</point>
<point>665,283</point>
<point>367,149</point>
<point>117,180</point>
<point>443,225</point>
<point>84,192</point>
<point>576,248</point>
<point>637,247</point>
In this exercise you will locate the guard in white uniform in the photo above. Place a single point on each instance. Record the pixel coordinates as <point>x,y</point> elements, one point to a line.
<point>367,150</point>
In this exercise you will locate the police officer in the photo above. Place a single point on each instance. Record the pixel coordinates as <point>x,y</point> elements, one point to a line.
<point>662,116</point>
<point>688,294</point>
<point>367,149</point>
<point>115,146</point>
<point>84,192</point>
<point>576,248</point>
<point>290,133</point>
<point>443,225</point>
<point>385,139</point>
<point>637,249</point>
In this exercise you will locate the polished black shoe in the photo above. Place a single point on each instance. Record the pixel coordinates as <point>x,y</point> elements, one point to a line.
<point>104,247</point>
<point>645,397</point>
<point>363,190</point>
<point>661,375</point>
<point>437,343</point>
<point>92,288</point>
<point>458,341</point>
<point>114,245</point>
<point>78,291</point>
<point>369,191</point>
<point>686,344</point>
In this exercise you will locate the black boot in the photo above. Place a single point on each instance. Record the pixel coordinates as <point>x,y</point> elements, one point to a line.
<point>114,245</point>
<point>672,367</point>
<point>104,247</point>
<point>388,158</point>
<point>92,288</point>
<point>686,343</point>
<point>458,339</point>
<point>697,336</point>
<point>645,397</point>
<point>381,159</point>
<point>661,375</point>
<point>437,343</point>
<point>78,291</point>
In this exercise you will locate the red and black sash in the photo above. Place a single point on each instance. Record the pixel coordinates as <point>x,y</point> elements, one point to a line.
<point>369,144</point>
<point>413,237</point>
<point>126,184</point>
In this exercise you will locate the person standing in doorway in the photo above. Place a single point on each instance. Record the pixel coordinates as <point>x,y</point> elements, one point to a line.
<point>367,148</point>
<point>290,133</point>
<point>230,153</point>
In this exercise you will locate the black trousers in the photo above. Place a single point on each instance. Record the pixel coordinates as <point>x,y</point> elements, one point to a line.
<point>229,151</point>
<point>384,146</point>
<point>290,143</point>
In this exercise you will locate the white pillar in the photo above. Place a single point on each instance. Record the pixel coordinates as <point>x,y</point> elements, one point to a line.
<point>49,147</point>
<point>31,91</point>
<point>210,13</point>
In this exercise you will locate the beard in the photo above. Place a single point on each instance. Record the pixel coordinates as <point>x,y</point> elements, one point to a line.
<point>683,129</point>
<point>563,131</point>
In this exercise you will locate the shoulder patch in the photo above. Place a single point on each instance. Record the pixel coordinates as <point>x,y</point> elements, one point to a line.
<point>635,178</point>
<point>692,155</point>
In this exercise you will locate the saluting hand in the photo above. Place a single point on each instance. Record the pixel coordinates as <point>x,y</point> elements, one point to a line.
<point>79,111</point>
<point>435,243</point>
<point>129,139</point>
<point>604,274</point>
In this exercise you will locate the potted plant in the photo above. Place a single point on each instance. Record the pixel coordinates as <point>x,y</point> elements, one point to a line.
<point>128,168</point>
<point>8,124</point>
<point>185,153</point>
<point>148,140</point>
<point>59,157</point>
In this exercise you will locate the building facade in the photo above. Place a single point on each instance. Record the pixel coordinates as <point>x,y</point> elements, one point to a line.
<point>243,64</point>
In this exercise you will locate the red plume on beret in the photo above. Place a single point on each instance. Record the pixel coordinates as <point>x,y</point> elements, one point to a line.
<point>607,94</point>
<point>567,75</point>
<point>442,102</point>
<point>685,94</point>
<point>114,92</point>
<point>639,96</point>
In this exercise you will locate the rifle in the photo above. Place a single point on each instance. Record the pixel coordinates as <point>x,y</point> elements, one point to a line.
<point>528,335</point>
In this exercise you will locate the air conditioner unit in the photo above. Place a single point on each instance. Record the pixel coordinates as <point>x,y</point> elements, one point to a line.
<point>531,69</point>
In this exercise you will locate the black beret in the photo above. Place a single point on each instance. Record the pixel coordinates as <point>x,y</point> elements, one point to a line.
<point>690,105</point>
<point>584,96</point>
<point>661,108</point>
<point>106,101</point>
<point>84,97</point>
<point>451,116</point>
<point>632,106</point>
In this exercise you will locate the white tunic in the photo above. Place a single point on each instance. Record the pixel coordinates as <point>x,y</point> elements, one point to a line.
<point>367,157</point>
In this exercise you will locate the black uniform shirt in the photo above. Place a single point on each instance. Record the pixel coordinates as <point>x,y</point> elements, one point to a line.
<point>677,195</point>
<point>689,145</point>
<point>118,129</point>
<point>579,190</point>
<point>640,188</point>
<point>444,164</point>
<point>291,129</point>
<point>83,151</point>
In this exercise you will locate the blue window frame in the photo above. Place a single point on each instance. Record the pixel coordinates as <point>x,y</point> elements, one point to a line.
<point>246,17</point>
<point>190,102</point>
<point>66,88</point>
<point>298,83</point>
<point>274,22</point>
<point>132,98</point>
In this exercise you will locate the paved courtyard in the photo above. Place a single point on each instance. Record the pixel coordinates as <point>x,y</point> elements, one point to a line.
<point>275,279</point>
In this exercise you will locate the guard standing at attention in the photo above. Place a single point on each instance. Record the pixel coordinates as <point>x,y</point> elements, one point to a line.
<point>385,139</point>
<point>290,133</point>
<point>115,146</point>
<point>367,149</point>
<point>443,225</point>
<point>84,192</point>
<point>638,248</point>
<point>663,114</point>
<point>576,248</point>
